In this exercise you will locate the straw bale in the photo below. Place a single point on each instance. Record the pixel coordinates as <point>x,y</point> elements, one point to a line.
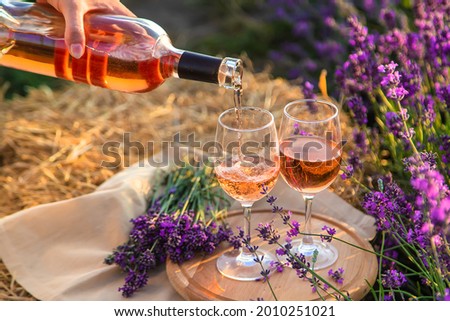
<point>51,141</point>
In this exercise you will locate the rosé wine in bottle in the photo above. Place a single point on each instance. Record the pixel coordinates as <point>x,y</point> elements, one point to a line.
<point>122,53</point>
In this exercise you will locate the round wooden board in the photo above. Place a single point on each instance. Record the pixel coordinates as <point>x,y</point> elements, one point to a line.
<point>199,279</point>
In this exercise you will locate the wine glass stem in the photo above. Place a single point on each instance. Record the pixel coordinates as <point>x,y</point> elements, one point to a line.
<point>307,238</point>
<point>245,253</point>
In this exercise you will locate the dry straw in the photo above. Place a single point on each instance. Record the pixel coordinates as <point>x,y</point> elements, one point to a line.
<point>51,141</point>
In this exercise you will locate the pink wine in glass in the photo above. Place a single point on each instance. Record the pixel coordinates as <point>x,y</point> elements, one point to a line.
<point>243,180</point>
<point>309,164</point>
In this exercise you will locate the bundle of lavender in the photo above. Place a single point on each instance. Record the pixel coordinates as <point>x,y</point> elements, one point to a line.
<point>184,217</point>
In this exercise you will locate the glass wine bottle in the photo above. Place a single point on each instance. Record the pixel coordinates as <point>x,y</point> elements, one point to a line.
<point>122,53</point>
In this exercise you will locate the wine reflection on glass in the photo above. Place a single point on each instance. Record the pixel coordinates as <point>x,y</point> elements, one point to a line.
<point>248,161</point>
<point>310,156</point>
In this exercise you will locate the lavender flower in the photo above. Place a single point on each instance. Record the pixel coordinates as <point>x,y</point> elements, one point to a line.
<point>347,172</point>
<point>354,160</point>
<point>394,123</point>
<point>293,259</point>
<point>358,109</point>
<point>428,115</point>
<point>268,233</point>
<point>155,237</point>
<point>330,231</point>
<point>445,296</point>
<point>443,93</point>
<point>393,279</point>
<point>431,184</point>
<point>360,139</point>
<point>166,232</point>
<point>389,18</point>
<point>295,230</point>
<point>445,148</point>
<point>391,81</point>
<point>236,239</point>
<point>359,34</point>
<point>308,90</point>
<point>271,199</point>
<point>385,205</point>
<point>337,275</point>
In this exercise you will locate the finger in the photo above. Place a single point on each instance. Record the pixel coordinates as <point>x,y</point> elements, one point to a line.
<point>120,9</point>
<point>115,8</point>
<point>74,32</point>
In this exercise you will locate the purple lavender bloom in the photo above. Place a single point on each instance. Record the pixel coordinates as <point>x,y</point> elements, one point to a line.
<point>236,240</point>
<point>360,139</point>
<point>445,296</point>
<point>433,28</point>
<point>299,264</point>
<point>278,266</point>
<point>347,172</point>
<point>388,297</point>
<point>393,279</point>
<point>358,33</point>
<point>295,230</point>
<point>385,205</point>
<point>337,275</point>
<point>308,90</point>
<point>418,164</point>
<point>330,231</point>
<point>440,215</point>
<point>428,114</point>
<point>445,148</point>
<point>430,183</point>
<point>358,109</point>
<point>271,200</point>
<point>354,160</point>
<point>280,251</point>
<point>411,79</point>
<point>268,233</point>
<point>178,237</point>
<point>389,18</point>
<point>391,81</point>
<point>433,197</point>
<point>394,123</point>
<point>415,46</point>
<point>443,93</point>
<point>392,42</point>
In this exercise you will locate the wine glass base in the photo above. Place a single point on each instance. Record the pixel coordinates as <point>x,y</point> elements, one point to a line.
<point>234,265</point>
<point>327,253</point>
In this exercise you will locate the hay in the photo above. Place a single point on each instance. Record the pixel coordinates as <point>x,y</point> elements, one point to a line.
<point>51,141</point>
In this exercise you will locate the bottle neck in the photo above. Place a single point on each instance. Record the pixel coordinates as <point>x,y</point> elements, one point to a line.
<point>226,72</point>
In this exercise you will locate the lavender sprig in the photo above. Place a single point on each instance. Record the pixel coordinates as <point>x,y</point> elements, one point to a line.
<point>296,261</point>
<point>170,229</point>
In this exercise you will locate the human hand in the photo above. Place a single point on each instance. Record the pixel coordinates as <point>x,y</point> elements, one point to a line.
<point>74,11</point>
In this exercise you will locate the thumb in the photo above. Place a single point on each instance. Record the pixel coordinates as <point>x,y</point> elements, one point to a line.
<point>74,32</point>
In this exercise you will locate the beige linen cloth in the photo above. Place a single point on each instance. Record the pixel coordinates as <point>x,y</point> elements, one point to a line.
<point>56,251</point>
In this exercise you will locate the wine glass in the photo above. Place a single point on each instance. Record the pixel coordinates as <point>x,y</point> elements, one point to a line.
<point>248,161</point>
<point>310,157</point>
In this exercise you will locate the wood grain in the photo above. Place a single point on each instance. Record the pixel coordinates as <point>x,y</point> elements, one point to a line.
<point>198,279</point>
